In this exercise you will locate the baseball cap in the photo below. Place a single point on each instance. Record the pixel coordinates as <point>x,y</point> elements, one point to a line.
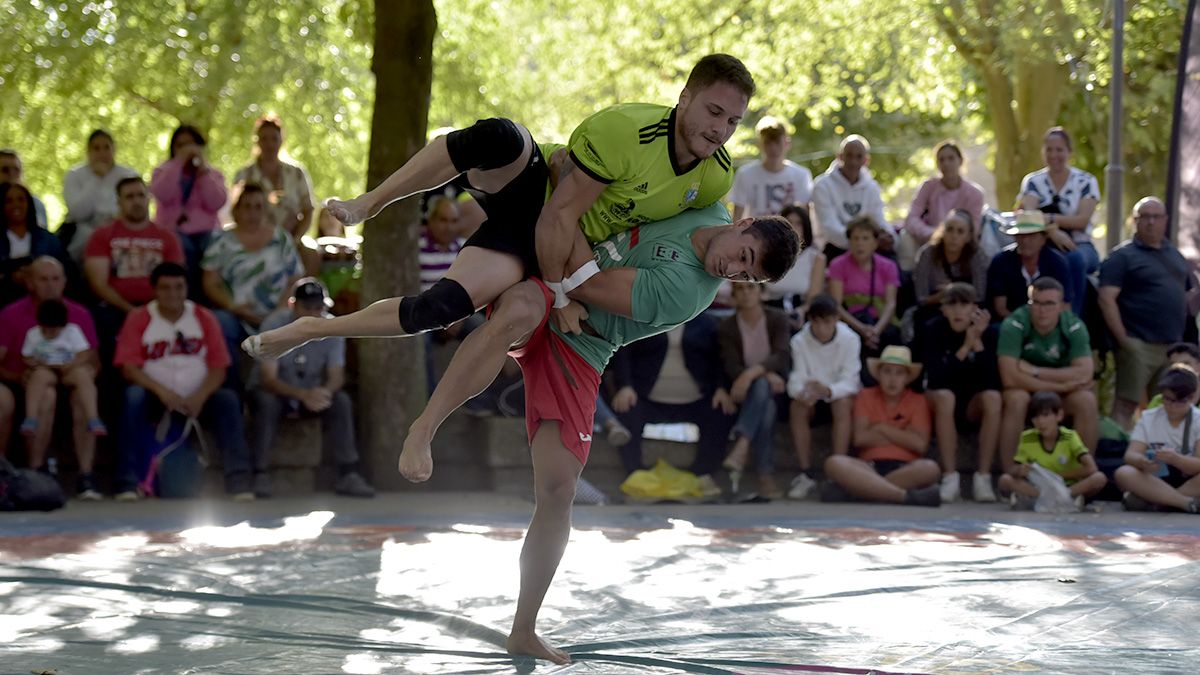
<point>311,291</point>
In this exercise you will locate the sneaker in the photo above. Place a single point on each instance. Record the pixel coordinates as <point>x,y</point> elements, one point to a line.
<point>353,485</point>
<point>1194,505</point>
<point>87,489</point>
<point>981,488</point>
<point>951,485</point>
<point>262,485</point>
<point>588,494</point>
<point>127,496</point>
<point>618,435</point>
<point>832,492</point>
<point>802,486</point>
<point>1080,503</point>
<point>926,496</point>
<point>246,496</point>
<point>95,427</point>
<point>1132,502</point>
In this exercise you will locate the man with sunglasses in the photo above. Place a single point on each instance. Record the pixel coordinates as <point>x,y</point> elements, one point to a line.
<point>1043,346</point>
<point>1143,285</point>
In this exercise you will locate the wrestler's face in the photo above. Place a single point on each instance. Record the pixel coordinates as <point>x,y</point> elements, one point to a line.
<point>735,254</point>
<point>707,117</point>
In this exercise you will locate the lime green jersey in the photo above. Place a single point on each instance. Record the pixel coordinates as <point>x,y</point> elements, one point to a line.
<point>631,148</point>
<point>1065,457</point>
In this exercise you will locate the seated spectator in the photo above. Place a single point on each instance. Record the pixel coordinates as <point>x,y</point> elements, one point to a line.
<point>119,257</point>
<point>936,199</point>
<point>846,191</point>
<point>674,377</point>
<point>951,256</point>
<point>1056,449</point>
<point>249,270</point>
<point>825,374</point>
<point>1184,353</point>
<point>1162,463</point>
<point>189,192</point>
<point>1143,286</point>
<point>46,281</point>
<point>90,191</point>
<point>1019,264</point>
<point>25,241</point>
<point>864,284</point>
<point>12,171</point>
<point>1044,347</point>
<point>961,384</point>
<point>1068,197</point>
<point>765,187</point>
<point>891,432</point>
<point>754,350</point>
<point>174,360</point>
<point>306,382</point>
<point>56,351</point>
<point>806,280</point>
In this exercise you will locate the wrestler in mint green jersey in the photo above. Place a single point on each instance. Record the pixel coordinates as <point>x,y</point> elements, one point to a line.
<point>631,148</point>
<point>671,286</point>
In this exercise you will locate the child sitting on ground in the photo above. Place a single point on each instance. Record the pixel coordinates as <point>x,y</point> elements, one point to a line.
<point>56,351</point>
<point>1162,463</point>
<point>1181,352</point>
<point>1054,447</point>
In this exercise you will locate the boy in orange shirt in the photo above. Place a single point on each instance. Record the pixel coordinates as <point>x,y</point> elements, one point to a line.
<point>891,434</point>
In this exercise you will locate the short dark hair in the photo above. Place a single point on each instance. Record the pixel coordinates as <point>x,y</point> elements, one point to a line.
<point>1043,402</point>
<point>126,181</point>
<point>185,129</point>
<point>1047,284</point>
<point>781,245</point>
<point>247,188</point>
<point>100,133</point>
<point>716,68</point>
<point>863,222</point>
<point>959,293</point>
<point>801,212</point>
<point>1188,348</point>
<point>1179,381</point>
<point>167,269</point>
<point>822,306</point>
<point>52,314</point>
<point>30,212</point>
<point>948,145</point>
<point>268,120</point>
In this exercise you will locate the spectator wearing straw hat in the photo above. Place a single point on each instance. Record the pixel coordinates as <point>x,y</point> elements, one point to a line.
<point>1021,263</point>
<point>891,434</point>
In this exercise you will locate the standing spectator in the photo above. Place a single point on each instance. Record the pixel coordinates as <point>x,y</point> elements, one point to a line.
<point>287,185</point>
<point>825,374</point>
<point>754,349</point>
<point>1162,463</point>
<point>1142,295</point>
<point>12,171</point>
<point>674,377</point>
<point>249,270</point>
<point>90,190</point>
<point>1044,347</point>
<point>952,255</point>
<point>1068,196</point>
<point>25,240</point>
<point>961,385</point>
<point>56,351</point>
<point>935,200</point>
<point>891,432</point>
<point>119,257</point>
<point>189,192</point>
<point>764,187</point>
<point>174,359</point>
<point>1020,264</point>
<point>806,280</point>
<point>1055,448</point>
<point>864,284</point>
<point>46,281</point>
<point>846,191</point>
<point>306,381</point>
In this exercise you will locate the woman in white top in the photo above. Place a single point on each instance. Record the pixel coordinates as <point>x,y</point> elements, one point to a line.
<point>806,280</point>
<point>1068,196</point>
<point>288,187</point>
<point>90,190</point>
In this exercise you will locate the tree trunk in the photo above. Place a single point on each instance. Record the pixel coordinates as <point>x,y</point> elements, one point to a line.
<point>392,371</point>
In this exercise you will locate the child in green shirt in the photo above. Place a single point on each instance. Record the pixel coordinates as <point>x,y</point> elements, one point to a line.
<point>1054,447</point>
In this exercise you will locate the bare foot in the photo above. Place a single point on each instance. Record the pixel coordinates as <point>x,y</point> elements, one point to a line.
<point>529,644</point>
<point>416,460</point>
<point>272,344</point>
<point>349,212</point>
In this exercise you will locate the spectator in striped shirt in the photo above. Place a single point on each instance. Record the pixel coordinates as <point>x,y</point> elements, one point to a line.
<point>439,243</point>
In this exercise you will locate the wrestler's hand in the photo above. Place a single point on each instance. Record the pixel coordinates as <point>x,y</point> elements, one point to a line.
<point>351,212</point>
<point>569,318</point>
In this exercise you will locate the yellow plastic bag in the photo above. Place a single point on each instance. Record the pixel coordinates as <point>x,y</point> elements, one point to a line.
<point>662,482</point>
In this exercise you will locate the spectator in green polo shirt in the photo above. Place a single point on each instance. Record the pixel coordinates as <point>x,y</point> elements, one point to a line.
<point>1043,346</point>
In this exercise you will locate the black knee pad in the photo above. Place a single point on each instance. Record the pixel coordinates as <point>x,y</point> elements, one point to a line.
<point>444,303</point>
<point>487,144</point>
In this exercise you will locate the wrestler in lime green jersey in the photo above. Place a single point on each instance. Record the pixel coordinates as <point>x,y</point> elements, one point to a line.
<point>675,155</point>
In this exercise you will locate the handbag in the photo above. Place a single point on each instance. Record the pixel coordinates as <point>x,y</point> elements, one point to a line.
<point>863,315</point>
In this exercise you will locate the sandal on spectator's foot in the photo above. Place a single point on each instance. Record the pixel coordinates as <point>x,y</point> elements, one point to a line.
<point>29,427</point>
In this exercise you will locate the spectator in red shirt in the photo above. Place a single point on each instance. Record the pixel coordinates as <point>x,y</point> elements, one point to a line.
<point>173,355</point>
<point>46,280</point>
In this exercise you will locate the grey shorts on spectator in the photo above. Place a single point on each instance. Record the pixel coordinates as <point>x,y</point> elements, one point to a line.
<point>1138,366</point>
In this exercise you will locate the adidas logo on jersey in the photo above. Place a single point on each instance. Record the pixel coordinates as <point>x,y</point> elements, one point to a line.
<point>643,188</point>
